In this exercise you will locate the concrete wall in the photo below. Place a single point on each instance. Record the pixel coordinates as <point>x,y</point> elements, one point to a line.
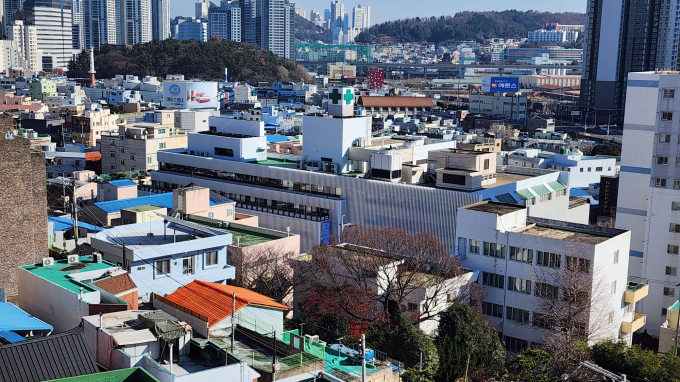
<point>332,137</point>
<point>199,326</point>
<point>236,126</point>
<point>245,149</point>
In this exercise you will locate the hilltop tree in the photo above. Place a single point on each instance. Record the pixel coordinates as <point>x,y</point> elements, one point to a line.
<point>80,66</point>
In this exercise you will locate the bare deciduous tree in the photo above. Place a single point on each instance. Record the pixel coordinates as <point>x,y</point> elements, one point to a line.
<point>503,132</point>
<point>379,267</point>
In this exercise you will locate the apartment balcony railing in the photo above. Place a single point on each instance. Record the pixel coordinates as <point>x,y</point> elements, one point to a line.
<point>635,292</point>
<point>639,320</point>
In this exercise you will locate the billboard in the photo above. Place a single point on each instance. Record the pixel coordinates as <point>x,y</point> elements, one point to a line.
<point>500,84</point>
<point>190,95</point>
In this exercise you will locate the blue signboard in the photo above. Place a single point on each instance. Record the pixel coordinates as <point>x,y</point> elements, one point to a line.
<point>500,84</point>
<point>326,233</point>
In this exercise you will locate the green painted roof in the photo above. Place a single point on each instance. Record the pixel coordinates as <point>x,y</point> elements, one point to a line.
<point>675,306</point>
<point>278,163</point>
<point>506,198</point>
<point>248,237</point>
<point>135,374</point>
<point>541,190</point>
<point>60,271</point>
<point>524,194</point>
<point>557,186</point>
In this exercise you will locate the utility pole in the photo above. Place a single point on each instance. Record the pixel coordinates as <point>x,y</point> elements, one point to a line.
<point>75,213</point>
<point>274,358</point>
<point>363,358</point>
<point>233,322</point>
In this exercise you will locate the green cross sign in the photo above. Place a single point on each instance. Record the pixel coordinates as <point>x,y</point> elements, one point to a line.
<point>349,96</point>
<point>335,96</point>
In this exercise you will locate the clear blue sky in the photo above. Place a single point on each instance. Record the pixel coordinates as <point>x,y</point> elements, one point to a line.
<point>384,10</point>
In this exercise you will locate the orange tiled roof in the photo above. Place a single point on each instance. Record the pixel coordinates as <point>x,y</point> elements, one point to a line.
<point>116,284</point>
<point>368,101</point>
<point>93,156</point>
<point>214,300</point>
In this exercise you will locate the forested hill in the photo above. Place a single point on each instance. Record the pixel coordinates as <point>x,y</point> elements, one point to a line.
<point>467,26</point>
<point>194,59</point>
<point>307,31</point>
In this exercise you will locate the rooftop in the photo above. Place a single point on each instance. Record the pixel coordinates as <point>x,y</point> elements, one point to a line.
<point>161,200</point>
<point>145,235</point>
<point>13,318</point>
<point>143,208</point>
<point>122,183</point>
<point>247,237</point>
<point>499,209</point>
<point>368,101</point>
<point>135,374</point>
<point>60,272</point>
<point>63,224</point>
<point>566,235</point>
<point>279,163</point>
<point>116,284</point>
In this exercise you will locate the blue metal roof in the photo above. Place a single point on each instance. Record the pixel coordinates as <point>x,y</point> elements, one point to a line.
<point>122,183</point>
<point>13,318</point>
<point>11,337</point>
<point>160,200</point>
<point>63,224</point>
<point>276,138</point>
<point>578,192</point>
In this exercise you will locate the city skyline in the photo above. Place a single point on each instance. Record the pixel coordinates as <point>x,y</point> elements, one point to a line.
<point>385,10</point>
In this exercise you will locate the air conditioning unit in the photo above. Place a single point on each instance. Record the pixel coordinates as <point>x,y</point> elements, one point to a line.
<point>98,258</point>
<point>47,261</point>
<point>299,164</point>
<point>326,167</point>
<point>335,168</point>
<point>72,259</point>
<point>149,235</point>
<point>313,166</point>
<point>312,338</point>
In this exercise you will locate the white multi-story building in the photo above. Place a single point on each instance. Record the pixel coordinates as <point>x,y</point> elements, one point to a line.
<point>542,35</point>
<point>276,22</point>
<point>160,17</point>
<point>101,23</point>
<point>583,170</point>
<point>649,189</point>
<point>53,23</point>
<point>23,47</point>
<point>511,105</point>
<point>136,21</point>
<point>337,12</point>
<point>202,7</point>
<point>523,262</point>
<point>301,12</point>
<point>361,17</point>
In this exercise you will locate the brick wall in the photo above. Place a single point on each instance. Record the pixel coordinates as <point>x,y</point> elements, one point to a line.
<point>103,309</point>
<point>23,206</point>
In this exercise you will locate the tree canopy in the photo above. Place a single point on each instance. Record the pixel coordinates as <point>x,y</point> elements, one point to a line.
<point>306,30</point>
<point>637,362</point>
<point>467,26</point>
<point>463,332</point>
<point>194,59</point>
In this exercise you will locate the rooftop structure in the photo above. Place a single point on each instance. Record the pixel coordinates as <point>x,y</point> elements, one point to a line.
<point>16,325</point>
<point>135,374</point>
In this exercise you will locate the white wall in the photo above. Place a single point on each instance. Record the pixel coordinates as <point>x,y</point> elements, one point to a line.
<point>237,126</point>
<point>332,137</point>
<point>245,149</point>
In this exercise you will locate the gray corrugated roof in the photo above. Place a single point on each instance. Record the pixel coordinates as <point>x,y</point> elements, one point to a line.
<point>57,356</point>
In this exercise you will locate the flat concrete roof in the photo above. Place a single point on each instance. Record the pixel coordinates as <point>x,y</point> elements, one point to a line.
<point>145,208</point>
<point>494,208</point>
<point>566,235</point>
<point>247,237</point>
<point>60,271</point>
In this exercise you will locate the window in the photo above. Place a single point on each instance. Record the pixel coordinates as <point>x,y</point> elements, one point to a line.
<point>113,143</point>
<point>598,169</point>
<point>544,198</point>
<point>79,163</point>
<point>162,145</point>
<point>224,152</point>
<point>522,254</point>
<point>662,160</point>
<point>517,315</point>
<point>149,160</point>
<point>486,164</point>
<point>188,265</point>
<point>671,271</point>
<point>578,264</point>
<point>664,311</point>
<point>674,227</point>
<point>559,193</point>
<point>411,307</point>
<point>666,116</point>
<point>113,167</point>
<point>548,259</point>
<point>493,310</point>
<point>474,246</point>
<point>453,179</point>
<point>494,250</point>
<point>669,93</point>
<point>122,150</point>
<point>122,162</point>
<point>675,206</point>
<point>676,183</point>
<point>660,182</point>
<point>590,169</point>
<point>122,137</point>
<point>628,308</point>
<point>673,249</point>
<point>581,169</point>
<point>211,258</point>
<point>132,157</point>
<point>519,285</point>
<point>113,155</point>
<point>161,131</point>
<point>575,296</point>
<point>60,162</point>
<point>616,257</point>
<point>677,159</point>
<point>544,321</point>
<point>668,291</point>
<point>493,280</point>
<point>613,291</point>
<point>546,290</point>
<point>515,345</point>
<point>664,138</point>
<point>162,267</point>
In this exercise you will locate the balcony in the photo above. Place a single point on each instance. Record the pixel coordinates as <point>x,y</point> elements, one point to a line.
<point>639,320</point>
<point>635,292</point>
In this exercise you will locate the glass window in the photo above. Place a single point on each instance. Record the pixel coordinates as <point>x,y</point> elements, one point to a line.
<point>522,254</point>
<point>616,257</point>
<point>660,182</point>
<point>578,264</point>
<point>674,227</point>
<point>598,169</point>
<point>519,285</point>
<point>515,345</point>
<point>494,250</point>
<point>664,138</point>
<point>662,160</point>
<point>517,315</point>
<point>667,291</point>
<point>671,271</point>
<point>493,310</point>
<point>669,93</point>
<point>188,265</point>
<point>548,259</point>
<point>493,280</point>
<point>613,287</point>
<point>211,258</point>
<point>474,246</point>
<point>666,116</point>
<point>544,321</point>
<point>546,290</point>
<point>162,267</point>
<point>673,249</point>
<point>162,145</point>
<point>675,206</point>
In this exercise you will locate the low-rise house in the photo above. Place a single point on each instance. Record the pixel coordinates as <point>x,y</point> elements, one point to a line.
<point>57,356</point>
<point>209,308</point>
<point>61,292</point>
<point>16,325</point>
<point>668,334</point>
<point>117,190</point>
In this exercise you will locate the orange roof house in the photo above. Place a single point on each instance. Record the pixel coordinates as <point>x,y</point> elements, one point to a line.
<point>208,308</point>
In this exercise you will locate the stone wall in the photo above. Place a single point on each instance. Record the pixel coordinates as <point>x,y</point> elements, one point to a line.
<point>23,206</point>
